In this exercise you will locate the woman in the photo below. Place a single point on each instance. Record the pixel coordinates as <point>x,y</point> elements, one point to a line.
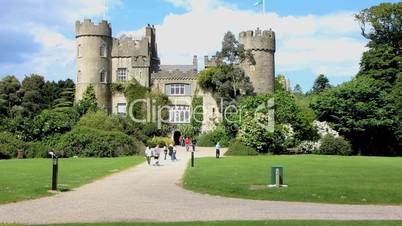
<point>218,150</point>
<point>148,154</point>
<point>157,153</point>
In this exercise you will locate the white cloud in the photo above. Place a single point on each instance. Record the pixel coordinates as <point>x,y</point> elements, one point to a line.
<point>327,44</point>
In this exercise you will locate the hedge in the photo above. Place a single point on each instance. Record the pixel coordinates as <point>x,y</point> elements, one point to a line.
<point>236,148</point>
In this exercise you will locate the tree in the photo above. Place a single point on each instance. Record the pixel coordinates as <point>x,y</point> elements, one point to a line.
<point>381,25</point>
<point>297,89</point>
<point>320,84</point>
<point>33,99</point>
<point>88,102</point>
<point>232,52</point>
<point>10,94</point>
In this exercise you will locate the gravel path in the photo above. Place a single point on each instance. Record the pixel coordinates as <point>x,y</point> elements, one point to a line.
<point>146,193</point>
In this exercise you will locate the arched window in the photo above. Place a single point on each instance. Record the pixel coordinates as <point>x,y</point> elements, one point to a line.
<point>78,76</point>
<point>103,76</point>
<point>79,50</point>
<point>103,50</point>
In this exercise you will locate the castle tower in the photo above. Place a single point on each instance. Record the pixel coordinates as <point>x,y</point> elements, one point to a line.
<point>94,47</point>
<point>262,45</point>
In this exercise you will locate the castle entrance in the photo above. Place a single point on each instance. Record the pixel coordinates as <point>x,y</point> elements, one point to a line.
<point>176,137</point>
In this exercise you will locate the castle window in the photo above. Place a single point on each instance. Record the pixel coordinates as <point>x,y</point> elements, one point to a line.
<point>78,76</point>
<point>79,50</point>
<point>177,89</point>
<point>121,109</point>
<point>103,76</point>
<point>103,50</point>
<point>179,114</point>
<point>122,74</point>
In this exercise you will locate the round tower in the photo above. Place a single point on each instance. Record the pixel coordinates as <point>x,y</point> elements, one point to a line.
<point>94,47</point>
<point>262,45</point>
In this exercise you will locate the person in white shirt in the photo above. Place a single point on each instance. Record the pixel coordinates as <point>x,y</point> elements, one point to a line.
<point>148,154</point>
<point>156,154</point>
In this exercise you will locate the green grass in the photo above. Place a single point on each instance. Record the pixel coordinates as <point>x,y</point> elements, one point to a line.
<point>31,178</point>
<point>311,178</point>
<point>262,223</point>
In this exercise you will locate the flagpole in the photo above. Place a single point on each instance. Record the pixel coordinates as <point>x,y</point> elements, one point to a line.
<point>263,7</point>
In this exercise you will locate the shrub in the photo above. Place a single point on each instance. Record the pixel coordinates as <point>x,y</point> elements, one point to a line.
<point>36,150</point>
<point>211,138</point>
<point>162,141</point>
<point>100,120</point>
<point>58,120</point>
<point>331,145</point>
<point>308,147</point>
<point>9,145</point>
<point>88,142</point>
<point>238,148</point>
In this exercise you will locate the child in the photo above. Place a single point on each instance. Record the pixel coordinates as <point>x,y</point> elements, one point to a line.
<point>148,154</point>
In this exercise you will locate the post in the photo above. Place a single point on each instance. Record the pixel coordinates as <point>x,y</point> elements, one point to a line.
<point>55,173</point>
<point>192,159</point>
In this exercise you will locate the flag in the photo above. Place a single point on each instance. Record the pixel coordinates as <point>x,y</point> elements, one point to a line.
<point>259,2</point>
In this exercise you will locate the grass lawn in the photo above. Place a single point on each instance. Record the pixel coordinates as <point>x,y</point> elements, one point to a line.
<point>31,178</point>
<point>311,178</point>
<point>262,223</point>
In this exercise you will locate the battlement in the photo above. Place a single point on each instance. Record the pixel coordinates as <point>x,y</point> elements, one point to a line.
<point>89,28</point>
<point>210,62</point>
<point>258,40</point>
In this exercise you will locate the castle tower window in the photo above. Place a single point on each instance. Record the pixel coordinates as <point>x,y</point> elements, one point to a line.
<point>103,76</point>
<point>122,74</point>
<point>79,50</point>
<point>121,109</point>
<point>103,50</point>
<point>78,76</point>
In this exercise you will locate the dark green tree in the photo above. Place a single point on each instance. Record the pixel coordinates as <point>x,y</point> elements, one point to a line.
<point>320,84</point>
<point>10,94</point>
<point>297,89</point>
<point>88,101</point>
<point>33,100</point>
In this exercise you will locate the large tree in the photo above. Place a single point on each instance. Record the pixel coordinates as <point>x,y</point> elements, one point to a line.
<point>10,94</point>
<point>320,84</point>
<point>367,109</point>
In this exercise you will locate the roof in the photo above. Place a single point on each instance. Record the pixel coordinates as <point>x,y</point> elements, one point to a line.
<point>175,75</point>
<point>177,67</point>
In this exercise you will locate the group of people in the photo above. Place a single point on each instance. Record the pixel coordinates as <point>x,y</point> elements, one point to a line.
<point>186,142</point>
<point>156,152</point>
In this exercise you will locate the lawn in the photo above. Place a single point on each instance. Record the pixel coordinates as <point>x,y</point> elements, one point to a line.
<point>31,178</point>
<point>260,223</point>
<point>311,178</point>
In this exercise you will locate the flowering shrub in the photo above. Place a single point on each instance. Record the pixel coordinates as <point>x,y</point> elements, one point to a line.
<point>324,129</point>
<point>308,147</point>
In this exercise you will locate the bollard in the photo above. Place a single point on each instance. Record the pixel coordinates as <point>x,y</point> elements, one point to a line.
<point>192,159</point>
<point>55,172</point>
<point>277,178</point>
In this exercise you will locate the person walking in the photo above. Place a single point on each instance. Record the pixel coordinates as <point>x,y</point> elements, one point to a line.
<point>218,150</point>
<point>165,151</point>
<point>187,142</point>
<point>174,153</point>
<point>171,151</point>
<point>194,143</point>
<point>148,154</point>
<point>156,155</point>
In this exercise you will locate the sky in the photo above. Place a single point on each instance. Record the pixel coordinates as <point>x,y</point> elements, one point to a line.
<point>313,36</point>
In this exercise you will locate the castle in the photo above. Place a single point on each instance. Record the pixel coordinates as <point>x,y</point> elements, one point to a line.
<point>103,60</point>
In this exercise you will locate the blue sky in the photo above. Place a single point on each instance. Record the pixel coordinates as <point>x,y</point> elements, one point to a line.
<point>313,36</point>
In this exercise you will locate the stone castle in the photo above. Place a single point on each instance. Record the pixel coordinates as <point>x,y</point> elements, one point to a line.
<point>103,59</point>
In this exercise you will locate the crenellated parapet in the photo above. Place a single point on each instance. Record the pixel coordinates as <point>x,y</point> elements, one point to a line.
<point>89,28</point>
<point>210,62</point>
<point>258,40</point>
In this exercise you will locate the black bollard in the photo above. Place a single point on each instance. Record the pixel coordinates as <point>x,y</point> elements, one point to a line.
<point>55,173</point>
<point>192,159</point>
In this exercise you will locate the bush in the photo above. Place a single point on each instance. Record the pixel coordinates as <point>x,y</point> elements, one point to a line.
<point>162,141</point>
<point>9,144</point>
<point>59,120</point>
<point>334,146</point>
<point>100,120</point>
<point>211,138</point>
<point>236,148</point>
<point>36,150</point>
<point>308,147</point>
<point>88,142</point>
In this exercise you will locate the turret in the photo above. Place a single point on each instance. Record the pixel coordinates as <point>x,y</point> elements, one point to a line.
<point>262,45</point>
<point>94,47</point>
<point>209,62</point>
